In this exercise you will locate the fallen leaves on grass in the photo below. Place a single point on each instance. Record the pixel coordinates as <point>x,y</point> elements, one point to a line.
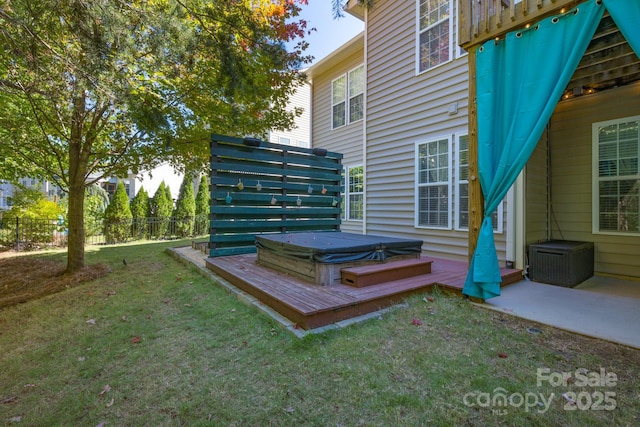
<point>25,278</point>
<point>135,340</point>
<point>106,389</point>
<point>416,322</point>
<point>502,355</point>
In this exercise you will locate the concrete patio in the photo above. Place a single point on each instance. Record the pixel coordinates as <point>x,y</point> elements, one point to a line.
<point>601,307</point>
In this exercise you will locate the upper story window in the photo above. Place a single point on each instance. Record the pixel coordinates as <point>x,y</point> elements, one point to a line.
<point>434,33</point>
<point>347,98</point>
<point>616,171</point>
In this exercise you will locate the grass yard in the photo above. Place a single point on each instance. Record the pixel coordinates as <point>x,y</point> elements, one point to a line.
<point>154,343</point>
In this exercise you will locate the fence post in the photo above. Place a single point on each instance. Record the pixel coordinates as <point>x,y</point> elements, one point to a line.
<point>17,234</point>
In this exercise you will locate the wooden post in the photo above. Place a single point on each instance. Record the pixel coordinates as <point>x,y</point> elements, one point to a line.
<point>464,21</point>
<point>476,199</point>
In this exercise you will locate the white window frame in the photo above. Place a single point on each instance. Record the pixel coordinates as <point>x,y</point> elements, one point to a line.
<point>347,97</point>
<point>284,140</point>
<point>447,184</point>
<point>596,180</point>
<point>498,215</point>
<point>349,193</point>
<point>420,31</point>
<point>342,101</point>
<point>352,96</point>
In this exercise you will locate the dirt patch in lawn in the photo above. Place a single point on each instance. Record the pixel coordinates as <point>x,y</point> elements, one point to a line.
<point>26,278</point>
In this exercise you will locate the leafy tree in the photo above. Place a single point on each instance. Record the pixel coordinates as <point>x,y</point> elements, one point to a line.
<point>33,217</point>
<point>93,89</point>
<point>96,200</point>
<point>140,213</point>
<point>34,205</point>
<point>160,208</point>
<point>185,211</point>
<point>202,206</point>
<point>117,217</point>
<point>24,197</point>
<point>166,220</point>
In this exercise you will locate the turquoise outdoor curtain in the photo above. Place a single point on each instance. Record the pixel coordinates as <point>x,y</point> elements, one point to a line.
<point>519,82</point>
<point>626,15</point>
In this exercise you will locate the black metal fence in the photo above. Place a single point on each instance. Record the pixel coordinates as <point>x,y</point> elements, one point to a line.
<point>21,233</point>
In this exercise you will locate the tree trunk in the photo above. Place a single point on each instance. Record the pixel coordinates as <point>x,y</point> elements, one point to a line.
<point>77,168</point>
<point>75,248</point>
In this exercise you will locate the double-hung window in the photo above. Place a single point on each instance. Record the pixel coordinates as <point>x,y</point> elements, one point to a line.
<point>433,190</point>
<point>355,209</point>
<point>347,98</point>
<point>462,180</point>
<point>434,33</point>
<point>616,171</point>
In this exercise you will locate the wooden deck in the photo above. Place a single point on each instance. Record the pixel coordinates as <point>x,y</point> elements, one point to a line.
<point>311,306</point>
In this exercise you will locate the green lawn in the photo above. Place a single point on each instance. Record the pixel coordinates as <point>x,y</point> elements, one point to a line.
<point>154,343</point>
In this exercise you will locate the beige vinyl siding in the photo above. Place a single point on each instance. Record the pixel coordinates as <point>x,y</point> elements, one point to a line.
<point>536,195</point>
<point>403,109</point>
<point>300,135</point>
<point>347,139</point>
<point>571,176</point>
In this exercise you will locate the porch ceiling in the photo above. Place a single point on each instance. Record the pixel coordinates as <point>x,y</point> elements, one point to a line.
<point>608,62</point>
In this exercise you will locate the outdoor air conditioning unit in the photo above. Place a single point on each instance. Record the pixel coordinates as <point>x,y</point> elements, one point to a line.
<point>561,262</point>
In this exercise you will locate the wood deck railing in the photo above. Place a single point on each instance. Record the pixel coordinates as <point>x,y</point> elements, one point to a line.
<point>482,20</point>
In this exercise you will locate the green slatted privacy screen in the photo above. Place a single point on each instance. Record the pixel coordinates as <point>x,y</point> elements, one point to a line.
<point>258,187</point>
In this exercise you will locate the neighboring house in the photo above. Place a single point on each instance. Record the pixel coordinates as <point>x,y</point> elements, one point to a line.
<point>395,101</point>
<point>300,135</point>
<point>7,190</point>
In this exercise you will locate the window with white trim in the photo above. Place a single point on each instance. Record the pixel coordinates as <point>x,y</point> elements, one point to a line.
<point>347,98</point>
<point>338,102</point>
<point>355,193</point>
<point>433,190</point>
<point>356,94</point>
<point>462,193</point>
<point>434,33</point>
<point>616,171</point>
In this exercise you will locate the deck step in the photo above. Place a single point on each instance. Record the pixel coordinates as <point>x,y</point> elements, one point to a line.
<point>510,276</point>
<point>375,274</point>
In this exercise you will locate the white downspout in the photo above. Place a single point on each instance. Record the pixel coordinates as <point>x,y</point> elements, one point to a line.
<point>515,223</point>
<point>364,131</point>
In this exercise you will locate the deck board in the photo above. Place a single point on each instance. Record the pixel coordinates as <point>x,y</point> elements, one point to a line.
<point>312,306</point>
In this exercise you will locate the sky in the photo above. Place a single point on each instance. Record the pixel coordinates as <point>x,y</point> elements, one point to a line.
<point>330,33</point>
